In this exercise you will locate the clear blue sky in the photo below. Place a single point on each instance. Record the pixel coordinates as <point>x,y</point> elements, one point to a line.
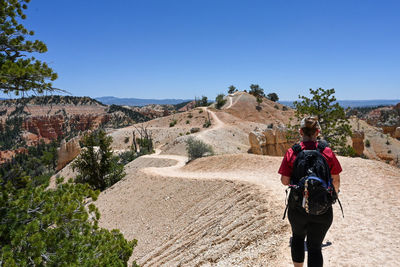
<point>186,48</point>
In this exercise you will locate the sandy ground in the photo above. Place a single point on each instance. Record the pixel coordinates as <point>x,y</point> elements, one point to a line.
<point>180,204</point>
<point>226,210</point>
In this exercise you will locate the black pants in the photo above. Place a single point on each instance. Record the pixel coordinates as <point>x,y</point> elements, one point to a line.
<point>312,226</point>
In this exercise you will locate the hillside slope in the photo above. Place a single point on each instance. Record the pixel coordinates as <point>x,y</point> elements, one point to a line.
<point>227,210</point>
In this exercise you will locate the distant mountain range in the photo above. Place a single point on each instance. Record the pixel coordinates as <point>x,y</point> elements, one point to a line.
<point>357,103</point>
<point>109,100</point>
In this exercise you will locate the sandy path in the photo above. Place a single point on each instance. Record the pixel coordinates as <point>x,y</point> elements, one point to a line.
<point>193,222</point>
<point>230,102</point>
<point>369,233</point>
<point>216,125</point>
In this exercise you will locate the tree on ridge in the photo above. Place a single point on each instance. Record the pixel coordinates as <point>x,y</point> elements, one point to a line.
<point>20,73</point>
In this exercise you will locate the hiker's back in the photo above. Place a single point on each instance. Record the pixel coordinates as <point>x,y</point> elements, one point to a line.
<point>310,171</point>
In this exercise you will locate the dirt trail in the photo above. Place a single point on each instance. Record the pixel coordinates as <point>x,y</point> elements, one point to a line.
<point>216,124</point>
<point>231,103</point>
<point>226,210</point>
<point>368,234</point>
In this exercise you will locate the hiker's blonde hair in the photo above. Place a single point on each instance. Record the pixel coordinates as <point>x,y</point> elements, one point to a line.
<point>309,125</point>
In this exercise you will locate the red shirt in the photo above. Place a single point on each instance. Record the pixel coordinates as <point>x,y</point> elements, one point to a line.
<point>289,158</point>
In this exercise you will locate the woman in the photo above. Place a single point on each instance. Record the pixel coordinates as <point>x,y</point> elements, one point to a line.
<point>303,224</point>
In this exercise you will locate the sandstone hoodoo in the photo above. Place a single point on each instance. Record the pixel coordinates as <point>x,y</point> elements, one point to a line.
<point>271,142</point>
<point>397,133</point>
<point>67,152</point>
<point>358,142</point>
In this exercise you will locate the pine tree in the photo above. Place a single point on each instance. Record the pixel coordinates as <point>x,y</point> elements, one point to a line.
<point>335,126</point>
<point>96,164</point>
<point>18,72</point>
<point>42,227</point>
<point>232,89</point>
<point>273,97</point>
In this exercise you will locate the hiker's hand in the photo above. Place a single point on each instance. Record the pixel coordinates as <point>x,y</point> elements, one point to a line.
<point>285,180</point>
<point>336,182</point>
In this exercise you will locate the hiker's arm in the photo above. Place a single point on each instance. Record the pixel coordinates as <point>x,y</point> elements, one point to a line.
<point>285,180</point>
<point>336,181</point>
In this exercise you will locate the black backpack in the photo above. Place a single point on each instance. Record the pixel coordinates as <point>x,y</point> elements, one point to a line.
<point>311,187</point>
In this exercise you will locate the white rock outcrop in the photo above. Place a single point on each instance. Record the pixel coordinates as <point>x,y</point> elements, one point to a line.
<point>67,152</point>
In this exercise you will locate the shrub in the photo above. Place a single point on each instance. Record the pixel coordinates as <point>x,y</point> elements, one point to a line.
<point>197,149</point>
<point>195,130</point>
<point>220,101</point>
<point>190,116</point>
<point>126,140</point>
<point>387,142</point>
<point>200,111</point>
<point>187,121</point>
<point>389,151</point>
<point>207,124</point>
<point>347,151</point>
<point>276,106</point>
<point>284,108</point>
<point>180,134</point>
<point>187,133</point>
<point>127,156</point>
<point>367,143</point>
<point>273,97</point>
<point>232,89</point>
<point>172,123</point>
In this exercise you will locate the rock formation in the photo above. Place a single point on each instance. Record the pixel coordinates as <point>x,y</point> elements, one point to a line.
<point>188,106</point>
<point>358,142</point>
<point>271,142</point>
<point>397,133</point>
<point>51,127</point>
<point>257,141</point>
<point>6,155</point>
<point>67,152</point>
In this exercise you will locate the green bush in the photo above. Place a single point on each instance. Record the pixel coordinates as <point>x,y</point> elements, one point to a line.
<point>172,123</point>
<point>367,143</point>
<point>347,151</point>
<point>195,130</point>
<point>127,156</point>
<point>187,121</point>
<point>220,101</point>
<point>273,97</point>
<point>207,124</point>
<point>197,149</point>
<point>190,116</point>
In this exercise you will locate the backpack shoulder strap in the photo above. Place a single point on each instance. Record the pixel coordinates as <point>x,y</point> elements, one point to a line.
<point>297,148</point>
<point>322,144</point>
